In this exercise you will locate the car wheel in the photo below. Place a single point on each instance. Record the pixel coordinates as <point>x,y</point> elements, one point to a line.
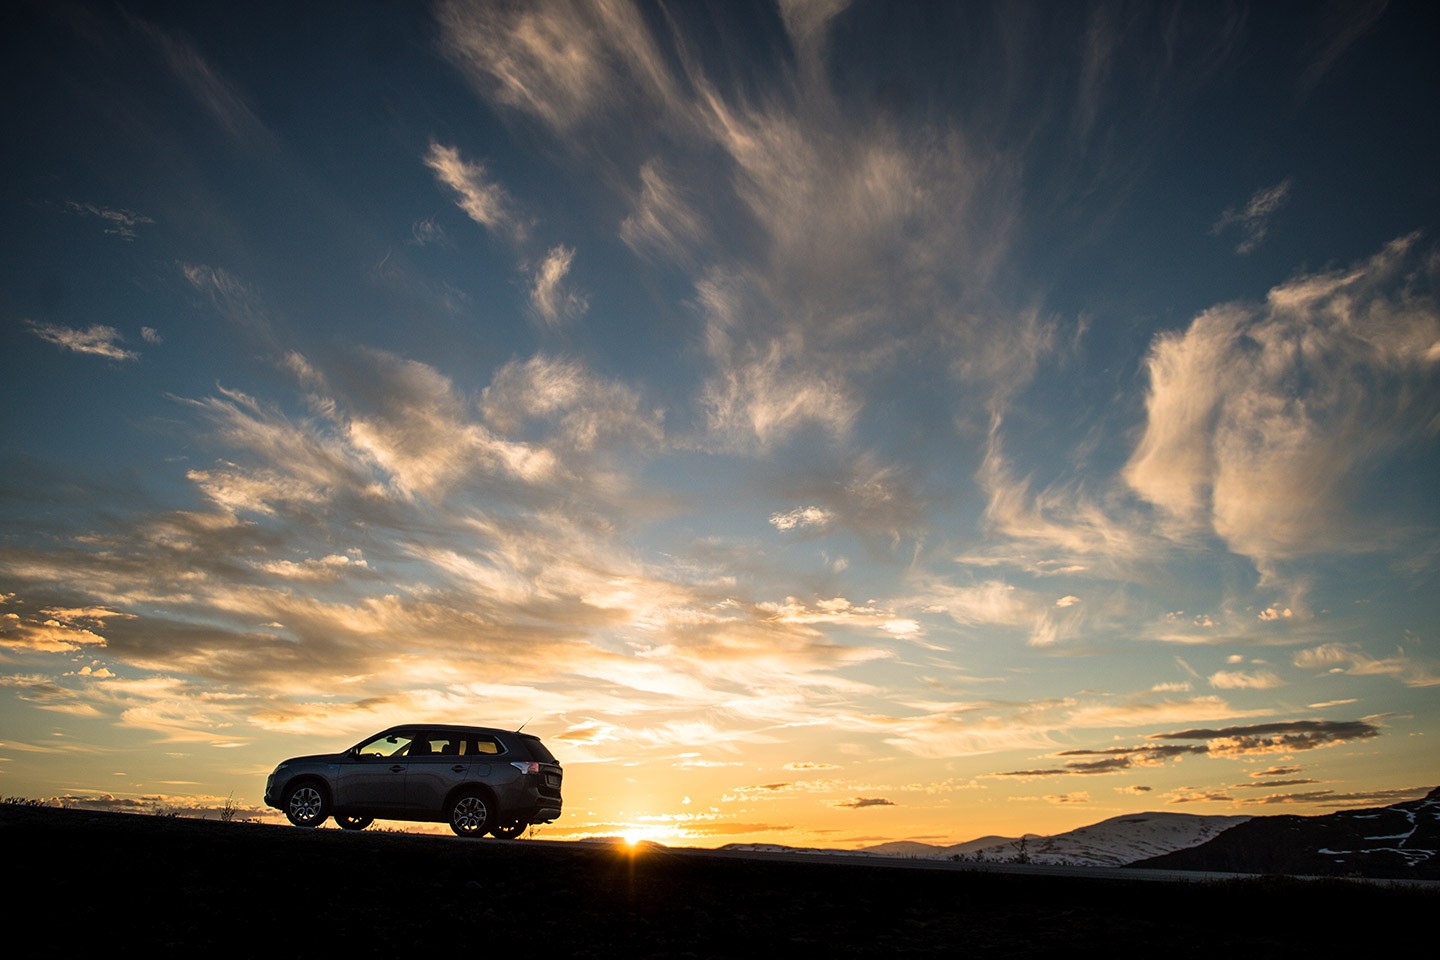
<point>509,829</point>
<point>306,805</point>
<point>469,815</point>
<point>351,821</point>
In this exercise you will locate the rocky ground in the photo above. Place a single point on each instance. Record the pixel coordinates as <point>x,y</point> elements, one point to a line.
<point>171,885</point>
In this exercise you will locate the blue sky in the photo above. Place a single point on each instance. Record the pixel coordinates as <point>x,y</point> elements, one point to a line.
<point>824,422</point>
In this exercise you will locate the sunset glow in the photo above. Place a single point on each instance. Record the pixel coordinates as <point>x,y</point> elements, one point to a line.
<point>822,422</point>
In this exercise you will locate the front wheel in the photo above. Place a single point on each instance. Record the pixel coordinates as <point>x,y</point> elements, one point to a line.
<point>353,822</point>
<point>469,815</point>
<point>306,805</point>
<point>509,829</point>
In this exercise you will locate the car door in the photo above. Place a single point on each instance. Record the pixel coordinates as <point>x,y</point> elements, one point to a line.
<point>372,776</point>
<point>437,764</point>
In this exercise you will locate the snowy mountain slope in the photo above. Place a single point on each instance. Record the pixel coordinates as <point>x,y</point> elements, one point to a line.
<point>1117,841</point>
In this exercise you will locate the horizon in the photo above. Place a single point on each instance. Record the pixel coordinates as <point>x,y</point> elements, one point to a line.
<point>827,422</point>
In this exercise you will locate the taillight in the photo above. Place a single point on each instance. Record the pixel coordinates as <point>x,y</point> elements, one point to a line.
<point>525,766</point>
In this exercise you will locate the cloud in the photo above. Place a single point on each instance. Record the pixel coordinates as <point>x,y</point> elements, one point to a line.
<point>215,94</point>
<point>119,222</point>
<point>484,201</point>
<point>1334,34</point>
<point>549,299</point>
<point>55,629</point>
<point>97,339</point>
<point>329,568</point>
<point>800,517</point>
<point>232,298</point>
<point>861,802</point>
<point>1239,680</point>
<point>1060,519</point>
<point>1275,772</point>
<point>1351,659</point>
<point>567,63</point>
<point>1197,795</point>
<point>582,411</point>
<point>1253,220</point>
<point>1228,742</point>
<point>992,601</point>
<point>1335,369</point>
<point>1282,737</point>
<point>1330,798</point>
<point>839,611</point>
<point>1271,784</point>
<point>425,232</point>
<point>664,224</point>
<point>1064,798</point>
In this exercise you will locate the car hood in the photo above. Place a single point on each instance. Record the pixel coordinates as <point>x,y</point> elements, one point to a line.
<point>317,758</point>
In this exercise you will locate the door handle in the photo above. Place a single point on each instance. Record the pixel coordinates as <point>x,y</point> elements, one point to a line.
<point>458,768</point>
<point>396,769</point>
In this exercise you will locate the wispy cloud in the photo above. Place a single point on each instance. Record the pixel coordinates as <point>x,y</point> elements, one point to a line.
<point>663,225</point>
<point>565,63</point>
<point>550,297</point>
<point>801,517</point>
<point>1240,680</point>
<point>96,339</point>
<point>482,199</point>
<point>231,297</point>
<point>1351,659</point>
<point>205,84</point>
<point>1253,220</point>
<point>119,222</point>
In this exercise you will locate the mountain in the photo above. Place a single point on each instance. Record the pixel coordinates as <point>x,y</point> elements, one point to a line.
<point>1395,842</point>
<point>1114,842</point>
<point>1109,843</point>
<point>913,848</point>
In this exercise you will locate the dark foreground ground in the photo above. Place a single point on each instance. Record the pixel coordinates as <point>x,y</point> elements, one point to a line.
<point>168,885</point>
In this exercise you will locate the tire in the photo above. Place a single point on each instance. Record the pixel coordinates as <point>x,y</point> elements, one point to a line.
<point>351,821</point>
<point>508,829</point>
<point>469,815</point>
<point>306,804</point>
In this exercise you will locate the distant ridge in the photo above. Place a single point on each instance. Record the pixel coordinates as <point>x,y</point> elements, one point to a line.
<point>1109,843</point>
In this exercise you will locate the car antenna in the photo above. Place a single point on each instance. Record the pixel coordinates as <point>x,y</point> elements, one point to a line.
<point>527,720</point>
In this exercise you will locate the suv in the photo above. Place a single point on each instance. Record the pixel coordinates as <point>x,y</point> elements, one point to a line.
<point>478,779</point>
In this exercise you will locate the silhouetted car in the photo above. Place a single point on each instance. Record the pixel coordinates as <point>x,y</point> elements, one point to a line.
<point>478,779</point>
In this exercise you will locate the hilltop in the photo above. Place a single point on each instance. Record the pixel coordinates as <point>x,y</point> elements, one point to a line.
<point>171,884</point>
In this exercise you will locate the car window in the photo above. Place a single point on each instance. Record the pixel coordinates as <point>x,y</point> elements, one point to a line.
<point>479,744</point>
<point>387,745</point>
<point>538,750</point>
<point>437,745</point>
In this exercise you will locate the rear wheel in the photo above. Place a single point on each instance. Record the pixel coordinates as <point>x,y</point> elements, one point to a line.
<point>509,829</point>
<point>469,815</point>
<point>306,805</point>
<point>353,822</point>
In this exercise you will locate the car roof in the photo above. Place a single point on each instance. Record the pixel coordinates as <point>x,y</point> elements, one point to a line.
<point>454,728</point>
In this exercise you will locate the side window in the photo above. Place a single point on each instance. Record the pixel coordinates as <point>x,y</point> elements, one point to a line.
<point>481,745</point>
<point>389,745</point>
<point>437,745</point>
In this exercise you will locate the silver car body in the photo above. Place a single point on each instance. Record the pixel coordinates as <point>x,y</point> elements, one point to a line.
<point>479,779</point>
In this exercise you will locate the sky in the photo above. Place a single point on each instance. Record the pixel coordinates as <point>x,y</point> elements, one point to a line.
<point>822,422</point>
